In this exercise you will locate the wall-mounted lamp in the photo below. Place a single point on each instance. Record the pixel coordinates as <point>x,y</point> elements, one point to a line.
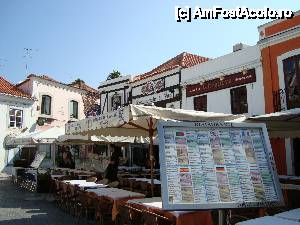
<point>222,76</point>
<point>244,70</point>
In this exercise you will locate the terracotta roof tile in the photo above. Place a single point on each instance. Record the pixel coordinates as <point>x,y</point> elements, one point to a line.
<point>74,84</point>
<point>10,89</point>
<point>183,60</point>
<point>83,86</point>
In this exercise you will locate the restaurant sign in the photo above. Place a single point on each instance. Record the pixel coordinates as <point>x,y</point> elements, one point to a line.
<point>112,119</point>
<point>218,84</point>
<point>161,96</point>
<point>152,87</point>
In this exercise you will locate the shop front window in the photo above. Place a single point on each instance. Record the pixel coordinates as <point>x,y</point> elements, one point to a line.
<point>291,67</point>
<point>239,103</point>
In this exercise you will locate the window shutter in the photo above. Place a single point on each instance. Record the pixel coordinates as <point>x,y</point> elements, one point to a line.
<point>70,109</point>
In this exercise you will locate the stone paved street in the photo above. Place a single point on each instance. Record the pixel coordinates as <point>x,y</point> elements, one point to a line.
<point>21,207</point>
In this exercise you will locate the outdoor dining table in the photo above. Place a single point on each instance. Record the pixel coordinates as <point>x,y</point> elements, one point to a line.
<point>57,176</point>
<point>84,184</point>
<point>267,220</point>
<point>290,215</point>
<point>118,196</point>
<point>155,181</point>
<point>154,205</point>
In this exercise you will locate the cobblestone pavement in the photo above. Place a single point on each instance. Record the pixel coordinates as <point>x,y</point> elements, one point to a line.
<point>21,207</point>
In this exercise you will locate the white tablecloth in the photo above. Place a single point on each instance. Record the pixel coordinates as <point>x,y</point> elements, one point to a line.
<point>155,181</point>
<point>85,184</point>
<point>290,215</point>
<point>115,193</point>
<point>269,220</point>
<point>155,202</point>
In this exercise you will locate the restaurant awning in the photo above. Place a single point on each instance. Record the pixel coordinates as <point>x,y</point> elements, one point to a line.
<point>120,139</point>
<point>85,139</point>
<point>38,137</point>
<point>73,139</point>
<point>134,120</point>
<point>284,124</point>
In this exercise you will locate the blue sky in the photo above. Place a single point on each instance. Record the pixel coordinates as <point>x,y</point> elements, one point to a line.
<point>88,39</point>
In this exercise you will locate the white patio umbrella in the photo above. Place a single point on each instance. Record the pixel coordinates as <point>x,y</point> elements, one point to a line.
<point>38,137</point>
<point>139,120</point>
<point>284,124</point>
<point>84,139</point>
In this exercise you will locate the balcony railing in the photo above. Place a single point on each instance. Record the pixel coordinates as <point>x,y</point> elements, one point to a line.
<point>285,99</point>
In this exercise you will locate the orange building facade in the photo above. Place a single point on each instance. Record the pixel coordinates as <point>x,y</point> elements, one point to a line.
<point>280,54</point>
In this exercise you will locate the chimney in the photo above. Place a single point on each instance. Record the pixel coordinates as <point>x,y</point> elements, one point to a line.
<point>239,46</point>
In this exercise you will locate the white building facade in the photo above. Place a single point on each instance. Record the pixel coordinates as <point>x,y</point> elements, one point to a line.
<point>232,83</point>
<point>114,93</point>
<point>56,104</point>
<point>16,118</point>
<point>162,85</point>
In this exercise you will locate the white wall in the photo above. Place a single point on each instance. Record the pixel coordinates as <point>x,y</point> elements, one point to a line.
<point>228,64</point>
<point>5,104</point>
<point>108,102</point>
<point>111,87</point>
<point>219,101</point>
<point>61,96</point>
<point>171,79</point>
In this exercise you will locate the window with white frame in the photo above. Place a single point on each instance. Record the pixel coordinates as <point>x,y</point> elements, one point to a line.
<point>73,109</point>
<point>15,118</point>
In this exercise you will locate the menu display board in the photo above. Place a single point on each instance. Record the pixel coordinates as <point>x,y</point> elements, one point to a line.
<point>207,165</point>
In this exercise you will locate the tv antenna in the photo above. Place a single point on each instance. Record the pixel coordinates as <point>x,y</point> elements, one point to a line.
<point>28,56</point>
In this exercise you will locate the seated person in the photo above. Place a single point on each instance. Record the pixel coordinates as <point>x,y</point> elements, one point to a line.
<point>67,161</point>
<point>111,172</point>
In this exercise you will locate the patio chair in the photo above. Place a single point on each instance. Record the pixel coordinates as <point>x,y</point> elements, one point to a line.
<point>84,207</point>
<point>135,215</point>
<point>57,192</point>
<point>105,209</point>
<point>150,218</point>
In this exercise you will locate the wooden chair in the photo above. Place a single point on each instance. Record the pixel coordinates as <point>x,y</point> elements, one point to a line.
<point>57,192</point>
<point>73,191</point>
<point>64,195</point>
<point>135,216</point>
<point>150,218</point>
<point>105,208</point>
<point>84,207</point>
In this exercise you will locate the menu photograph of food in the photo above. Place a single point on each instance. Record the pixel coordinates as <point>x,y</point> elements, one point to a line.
<point>217,165</point>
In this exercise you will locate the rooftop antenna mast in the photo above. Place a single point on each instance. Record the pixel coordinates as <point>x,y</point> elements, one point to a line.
<point>27,56</point>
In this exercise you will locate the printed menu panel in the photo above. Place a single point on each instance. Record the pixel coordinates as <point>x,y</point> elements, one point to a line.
<point>211,165</point>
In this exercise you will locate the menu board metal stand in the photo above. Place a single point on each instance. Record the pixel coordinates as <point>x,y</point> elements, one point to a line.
<point>221,217</point>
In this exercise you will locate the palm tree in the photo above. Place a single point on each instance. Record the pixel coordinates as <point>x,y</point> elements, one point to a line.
<point>114,74</point>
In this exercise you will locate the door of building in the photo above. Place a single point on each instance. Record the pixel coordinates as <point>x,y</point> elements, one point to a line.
<point>291,67</point>
<point>296,148</point>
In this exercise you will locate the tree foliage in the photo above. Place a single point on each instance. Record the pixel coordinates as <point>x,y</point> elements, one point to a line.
<point>114,74</point>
